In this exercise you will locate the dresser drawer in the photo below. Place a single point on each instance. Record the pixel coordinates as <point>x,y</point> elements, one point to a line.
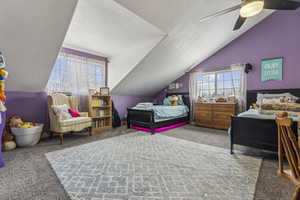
<point>221,115</point>
<point>214,115</point>
<point>224,108</point>
<point>203,107</point>
<point>221,124</point>
<point>204,116</point>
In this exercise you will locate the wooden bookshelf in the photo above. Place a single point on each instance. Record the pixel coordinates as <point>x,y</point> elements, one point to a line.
<point>100,110</point>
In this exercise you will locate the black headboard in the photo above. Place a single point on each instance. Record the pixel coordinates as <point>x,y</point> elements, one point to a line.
<point>185,97</point>
<point>252,94</point>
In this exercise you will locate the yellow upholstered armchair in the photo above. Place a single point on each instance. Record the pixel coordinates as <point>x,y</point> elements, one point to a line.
<point>59,126</point>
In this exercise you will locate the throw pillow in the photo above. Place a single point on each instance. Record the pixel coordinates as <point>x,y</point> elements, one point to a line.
<point>62,111</point>
<point>74,112</point>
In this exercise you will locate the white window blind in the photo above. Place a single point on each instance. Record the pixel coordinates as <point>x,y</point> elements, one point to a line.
<point>76,74</point>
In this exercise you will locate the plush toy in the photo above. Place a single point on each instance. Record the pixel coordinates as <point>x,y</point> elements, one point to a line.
<point>174,100</point>
<point>3,76</point>
<point>28,125</point>
<point>8,139</point>
<point>15,122</point>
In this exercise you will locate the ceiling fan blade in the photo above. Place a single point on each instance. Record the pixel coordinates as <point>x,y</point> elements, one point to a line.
<point>239,23</point>
<point>281,5</point>
<point>222,12</point>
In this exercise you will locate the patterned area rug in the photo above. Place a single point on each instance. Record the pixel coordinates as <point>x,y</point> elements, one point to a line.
<point>142,166</point>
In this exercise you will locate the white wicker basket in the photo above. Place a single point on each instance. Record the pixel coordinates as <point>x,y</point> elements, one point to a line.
<point>27,136</point>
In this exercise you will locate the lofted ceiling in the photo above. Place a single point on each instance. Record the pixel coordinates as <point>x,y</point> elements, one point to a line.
<point>164,14</point>
<point>113,31</point>
<point>30,38</point>
<point>189,42</point>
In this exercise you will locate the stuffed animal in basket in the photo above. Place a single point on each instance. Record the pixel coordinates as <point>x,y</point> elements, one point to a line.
<point>15,122</point>
<point>8,138</point>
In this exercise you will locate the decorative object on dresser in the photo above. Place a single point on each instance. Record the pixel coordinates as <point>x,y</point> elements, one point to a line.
<point>214,115</point>
<point>100,110</point>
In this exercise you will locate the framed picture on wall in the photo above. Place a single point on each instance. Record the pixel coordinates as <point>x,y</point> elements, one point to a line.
<point>272,69</point>
<point>104,91</point>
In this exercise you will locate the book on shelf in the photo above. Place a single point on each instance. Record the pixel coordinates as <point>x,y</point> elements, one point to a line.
<point>100,123</point>
<point>99,102</point>
<point>101,113</point>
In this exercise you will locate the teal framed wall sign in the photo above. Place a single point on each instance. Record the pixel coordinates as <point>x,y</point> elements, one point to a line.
<point>271,69</point>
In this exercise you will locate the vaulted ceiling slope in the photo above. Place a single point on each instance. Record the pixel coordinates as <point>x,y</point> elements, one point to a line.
<point>188,42</point>
<point>109,29</point>
<point>31,35</point>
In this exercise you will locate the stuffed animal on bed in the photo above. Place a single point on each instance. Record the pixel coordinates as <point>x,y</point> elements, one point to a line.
<point>174,100</point>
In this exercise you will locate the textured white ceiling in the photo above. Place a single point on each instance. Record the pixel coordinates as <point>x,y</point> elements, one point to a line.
<point>164,14</point>
<point>188,43</point>
<point>112,30</point>
<point>31,35</point>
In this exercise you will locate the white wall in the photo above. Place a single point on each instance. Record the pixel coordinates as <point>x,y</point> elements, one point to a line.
<point>31,34</point>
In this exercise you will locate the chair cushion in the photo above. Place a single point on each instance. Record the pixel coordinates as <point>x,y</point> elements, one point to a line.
<point>75,121</point>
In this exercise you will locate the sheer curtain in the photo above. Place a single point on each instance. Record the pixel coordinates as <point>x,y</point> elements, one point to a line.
<point>76,75</point>
<point>243,86</point>
<point>194,91</point>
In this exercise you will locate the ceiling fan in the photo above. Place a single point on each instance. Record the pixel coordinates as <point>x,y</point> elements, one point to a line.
<point>249,8</point>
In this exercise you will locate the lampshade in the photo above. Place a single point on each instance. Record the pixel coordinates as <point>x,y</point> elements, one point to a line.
<point>251,8</point>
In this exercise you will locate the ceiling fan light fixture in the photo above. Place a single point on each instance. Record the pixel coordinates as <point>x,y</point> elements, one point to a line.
<point>251,8</point>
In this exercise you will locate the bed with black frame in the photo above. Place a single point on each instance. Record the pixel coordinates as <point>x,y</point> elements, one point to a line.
<point>257,133</point>
<point>145,118</point>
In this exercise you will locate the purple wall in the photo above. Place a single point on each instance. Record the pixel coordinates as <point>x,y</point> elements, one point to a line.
<point>31,106</point>
<point>276,36</point>
<point>124,102</point>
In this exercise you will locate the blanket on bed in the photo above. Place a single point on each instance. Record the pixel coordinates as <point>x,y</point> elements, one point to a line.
<point>166,111</point>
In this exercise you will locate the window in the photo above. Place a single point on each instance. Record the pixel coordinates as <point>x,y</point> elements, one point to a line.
<point>222,83</point>
<point>76,74</point>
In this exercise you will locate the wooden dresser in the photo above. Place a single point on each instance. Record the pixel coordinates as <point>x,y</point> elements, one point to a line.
<point>214,115</point>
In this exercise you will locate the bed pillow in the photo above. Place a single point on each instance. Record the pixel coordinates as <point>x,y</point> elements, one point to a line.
<point>260,97</point>
<point>167,102</point>
<point>271,101</point>
<point>180,100</point>
<point>62,111</point>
